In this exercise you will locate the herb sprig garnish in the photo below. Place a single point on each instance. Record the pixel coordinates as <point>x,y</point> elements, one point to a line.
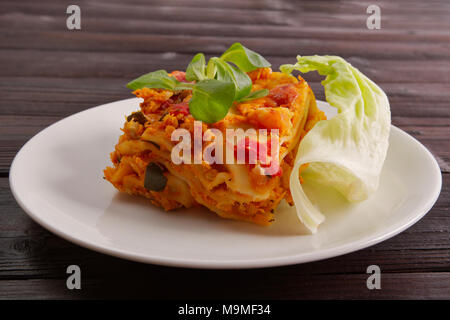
<point>217,84</point>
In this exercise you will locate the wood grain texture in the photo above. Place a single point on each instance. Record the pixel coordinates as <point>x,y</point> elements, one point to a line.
<point>48,72</point>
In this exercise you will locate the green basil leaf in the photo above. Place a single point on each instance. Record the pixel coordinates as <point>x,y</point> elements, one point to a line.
<point>226,72</point>
<point>184,86</point>
<point>211,69</point>
<point>211,100</point>
<point>246,59</point>
<point>255,95</point>
<point>196,68</point>
<point>158,79</point>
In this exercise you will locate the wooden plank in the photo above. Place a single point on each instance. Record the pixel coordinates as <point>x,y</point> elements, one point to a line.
<point>330,6</point>
<point>422,121</point>
<point>204,14</point>
<point>176,284</point>
<point>101,42</point>
<point>295,15</point>
<point>29,21</point>
<point>67,64</point>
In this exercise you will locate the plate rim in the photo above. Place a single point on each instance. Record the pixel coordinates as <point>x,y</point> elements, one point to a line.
<point>300,258</point>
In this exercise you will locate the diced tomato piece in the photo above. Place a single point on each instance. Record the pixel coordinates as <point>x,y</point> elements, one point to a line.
<point>166,104</point>
<point>276,165</point>
<point>258,147</point>
<point>179,75</point>
<point>273,162</point>
<point>179,108</point>
<point>283,94</point>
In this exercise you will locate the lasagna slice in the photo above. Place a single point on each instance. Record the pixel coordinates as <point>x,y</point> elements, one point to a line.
<point>142,163</point>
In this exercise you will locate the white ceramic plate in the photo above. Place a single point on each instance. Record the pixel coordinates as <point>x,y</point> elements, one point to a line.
<point>57,179</point>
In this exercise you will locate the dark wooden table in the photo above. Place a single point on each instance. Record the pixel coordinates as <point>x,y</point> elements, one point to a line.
<point>48,72</point>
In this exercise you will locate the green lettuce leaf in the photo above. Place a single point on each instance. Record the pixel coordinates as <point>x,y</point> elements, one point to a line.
<point>346,152</point>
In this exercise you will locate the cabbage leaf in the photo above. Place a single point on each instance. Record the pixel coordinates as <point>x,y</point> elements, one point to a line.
<point>346,152</point>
